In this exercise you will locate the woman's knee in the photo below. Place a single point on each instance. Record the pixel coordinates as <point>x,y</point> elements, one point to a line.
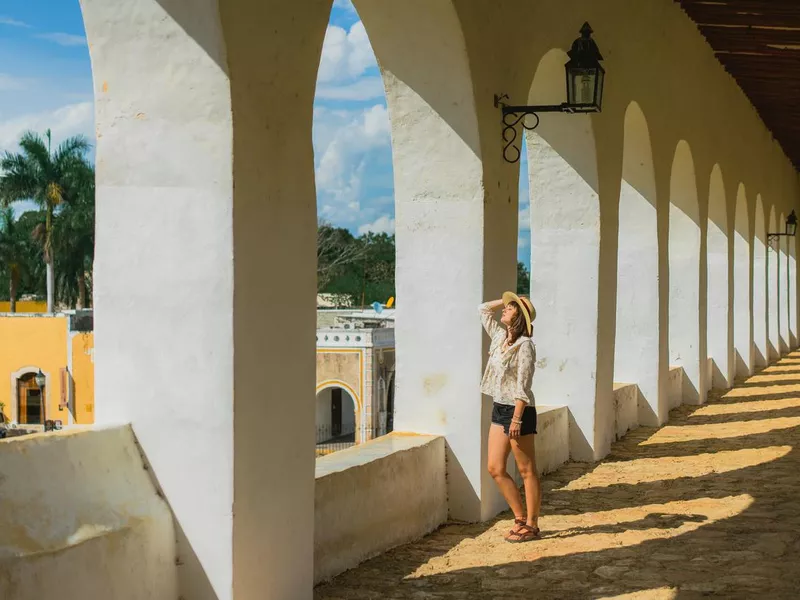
<point>497,470</point>
<point>527,470</point>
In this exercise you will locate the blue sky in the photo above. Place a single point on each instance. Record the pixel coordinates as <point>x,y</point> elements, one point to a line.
<point>46,81</point>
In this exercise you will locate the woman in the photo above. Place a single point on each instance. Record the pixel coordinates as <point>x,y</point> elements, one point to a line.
<point>508,378</point>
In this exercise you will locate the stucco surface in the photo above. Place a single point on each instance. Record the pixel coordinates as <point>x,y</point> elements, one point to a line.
<point>80,518</point>
<point>376,496</point>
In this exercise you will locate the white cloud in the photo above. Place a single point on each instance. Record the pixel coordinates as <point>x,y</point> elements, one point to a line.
<point>64,122</point>
<point>366,88</point>
<point>525,217</point>
<point>384,224</point>
<point>9,83</point>
<point>346,55</point>
<point>12,22</point>
<point>348,145</point>
<point>63,39</point>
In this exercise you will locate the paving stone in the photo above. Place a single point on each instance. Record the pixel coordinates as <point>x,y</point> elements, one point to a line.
<point>696,512</point>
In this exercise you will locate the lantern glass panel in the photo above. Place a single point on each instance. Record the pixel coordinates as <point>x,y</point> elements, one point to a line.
<point>582,86</point>
<point>791,227</point>
<point>598,93</point>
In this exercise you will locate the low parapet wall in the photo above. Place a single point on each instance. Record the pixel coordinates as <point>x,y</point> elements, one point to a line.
<point>376,496</point>
<point>80,519</point>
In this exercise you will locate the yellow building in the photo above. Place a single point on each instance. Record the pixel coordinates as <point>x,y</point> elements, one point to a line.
<point>24,306</point>
<point>61,347</point>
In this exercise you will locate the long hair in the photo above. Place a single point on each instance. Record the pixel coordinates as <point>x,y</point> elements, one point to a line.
<point>519,326</point>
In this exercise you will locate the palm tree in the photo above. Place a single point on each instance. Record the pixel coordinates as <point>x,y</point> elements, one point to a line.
<point>13,253</point>
<point>73,239</point>
<point>46,177</point>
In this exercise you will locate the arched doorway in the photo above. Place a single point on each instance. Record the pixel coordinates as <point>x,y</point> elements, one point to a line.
<point>336,415</point>
<point>30,401</point>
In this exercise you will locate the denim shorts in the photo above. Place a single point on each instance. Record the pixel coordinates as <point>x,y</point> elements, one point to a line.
<point>503,413</point>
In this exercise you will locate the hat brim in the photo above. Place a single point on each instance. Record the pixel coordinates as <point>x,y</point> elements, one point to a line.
<point>509,297</point>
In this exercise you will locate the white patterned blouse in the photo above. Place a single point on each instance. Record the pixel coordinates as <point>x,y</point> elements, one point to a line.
<point>509,375</point>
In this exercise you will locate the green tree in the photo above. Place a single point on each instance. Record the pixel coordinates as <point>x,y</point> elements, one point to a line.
<point>360,268</point>
<point>523,279</point>
<point>47,177</point>
<point>73,239</point>
<point>13,253</point>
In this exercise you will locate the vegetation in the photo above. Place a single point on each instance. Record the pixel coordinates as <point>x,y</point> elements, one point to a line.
<point>360,268</point>
<point>61,183</point>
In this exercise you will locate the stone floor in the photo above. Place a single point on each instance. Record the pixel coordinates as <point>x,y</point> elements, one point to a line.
<point>708,505</point>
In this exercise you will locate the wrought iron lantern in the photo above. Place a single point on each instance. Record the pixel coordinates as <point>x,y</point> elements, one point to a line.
<point>791,224</point>
<point>585,80</point>
<point>40,378</point>
<point>790,230</point>
<point>585,75</point>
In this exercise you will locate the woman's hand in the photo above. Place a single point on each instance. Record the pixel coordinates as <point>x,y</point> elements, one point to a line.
<point>513,430</point>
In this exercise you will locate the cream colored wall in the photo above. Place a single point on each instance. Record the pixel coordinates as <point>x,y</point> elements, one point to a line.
<point>80,518</point>
<point>368,499</point>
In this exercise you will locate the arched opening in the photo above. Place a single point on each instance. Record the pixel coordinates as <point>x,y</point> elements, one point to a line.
<point>760,339</point>
<point>717,299</point>
<point>773,291</point>
<point>562,166</point>
<point>31,401</point>
<point>742,315</point>
<point>684,277</point>
<point>335,416</point>
<point>356,249</point>
<point>637,340</point>
<point>783,288</point>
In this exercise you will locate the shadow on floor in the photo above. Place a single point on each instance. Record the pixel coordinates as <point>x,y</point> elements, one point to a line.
<point>705,506</point>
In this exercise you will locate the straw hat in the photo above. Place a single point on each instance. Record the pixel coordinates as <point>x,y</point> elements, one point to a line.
<point>528,311</point>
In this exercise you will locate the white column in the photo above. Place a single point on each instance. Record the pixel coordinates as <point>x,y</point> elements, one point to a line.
<point>791,276</point>
<point>783,295</point>
<point>717,304</point>
<point>761,342</point>
<point>205,275</point>
<point>637,339</point>
<point>684,301</point>
<point>742,315</point>
<point>456,228</point>
<point>773,301</point>
<point>565,254</point>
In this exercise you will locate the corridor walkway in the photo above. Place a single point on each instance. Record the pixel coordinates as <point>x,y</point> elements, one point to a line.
<point>708,505</point>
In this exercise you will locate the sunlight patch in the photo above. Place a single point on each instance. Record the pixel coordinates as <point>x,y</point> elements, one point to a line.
<point>746,407</point>
<point>642,470</point>
<point>589,532</point>
<point>763,390</point>
<point>719,431</point>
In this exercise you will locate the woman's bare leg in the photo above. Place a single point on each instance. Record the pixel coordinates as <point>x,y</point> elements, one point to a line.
<point>499,448</point>
<point>525,455</point>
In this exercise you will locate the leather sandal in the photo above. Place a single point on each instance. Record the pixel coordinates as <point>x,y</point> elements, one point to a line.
<point>526,533</point>
<point>517,523</point>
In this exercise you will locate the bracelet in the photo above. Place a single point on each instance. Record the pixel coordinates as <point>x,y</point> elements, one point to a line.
<point>516,421</point>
